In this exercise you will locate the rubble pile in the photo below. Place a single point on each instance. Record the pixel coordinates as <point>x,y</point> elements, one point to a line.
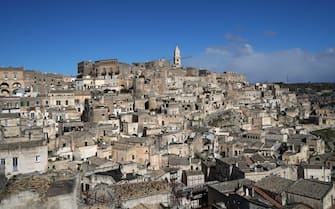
<point>97,206</point>
<point>135,190</point>
<point>35,184</point>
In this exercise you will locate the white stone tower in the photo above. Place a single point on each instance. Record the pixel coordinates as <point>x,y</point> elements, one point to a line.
<point>177,58</point>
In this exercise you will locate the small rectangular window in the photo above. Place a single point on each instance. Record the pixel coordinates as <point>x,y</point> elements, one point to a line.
<point>15,163</point>
<point>3,162</point>
<point>37,158</point>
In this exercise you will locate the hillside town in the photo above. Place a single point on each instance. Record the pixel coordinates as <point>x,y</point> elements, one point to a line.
<point>160,135</point>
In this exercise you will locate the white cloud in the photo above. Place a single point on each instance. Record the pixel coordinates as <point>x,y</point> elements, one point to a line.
<point>296,64</point>
<point>234,50</point>
<point>218,51</point>
<point>247,49</point>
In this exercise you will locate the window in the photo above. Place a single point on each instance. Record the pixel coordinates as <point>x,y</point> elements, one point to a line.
<point>15,163</point>
<point>37,158</point>
<point>22,103</point>
<point>37,103</point>
<point>87,187</point>
<point>66,102</point>
<point>28,104</point>
<point>58,102</point>
<point>3,162</point>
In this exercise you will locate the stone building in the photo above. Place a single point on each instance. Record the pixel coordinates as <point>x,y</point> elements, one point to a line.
<point>61,98</point>
<point>233,194</point>
<point>318,172</point>
<point>98,69</point>
<point>193,177</point>
<point>23,156</point>
<point>11,80</point>
<point>161,63</point>
<point>41,83</point>
<point>18,81</point>
<point>316,194</point>
<point>133,149</point>
<point>161,121</point>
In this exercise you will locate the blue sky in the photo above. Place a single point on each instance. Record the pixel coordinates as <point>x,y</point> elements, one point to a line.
<point>266,40</point>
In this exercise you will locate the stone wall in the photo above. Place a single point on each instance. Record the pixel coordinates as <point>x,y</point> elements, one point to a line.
<point>152,199</point>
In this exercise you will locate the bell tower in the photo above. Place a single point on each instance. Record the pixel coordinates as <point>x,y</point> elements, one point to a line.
<point>176,57</point>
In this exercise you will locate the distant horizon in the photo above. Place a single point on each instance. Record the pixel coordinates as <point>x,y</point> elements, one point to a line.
<point>184,67</point>
<point>265,40</point>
